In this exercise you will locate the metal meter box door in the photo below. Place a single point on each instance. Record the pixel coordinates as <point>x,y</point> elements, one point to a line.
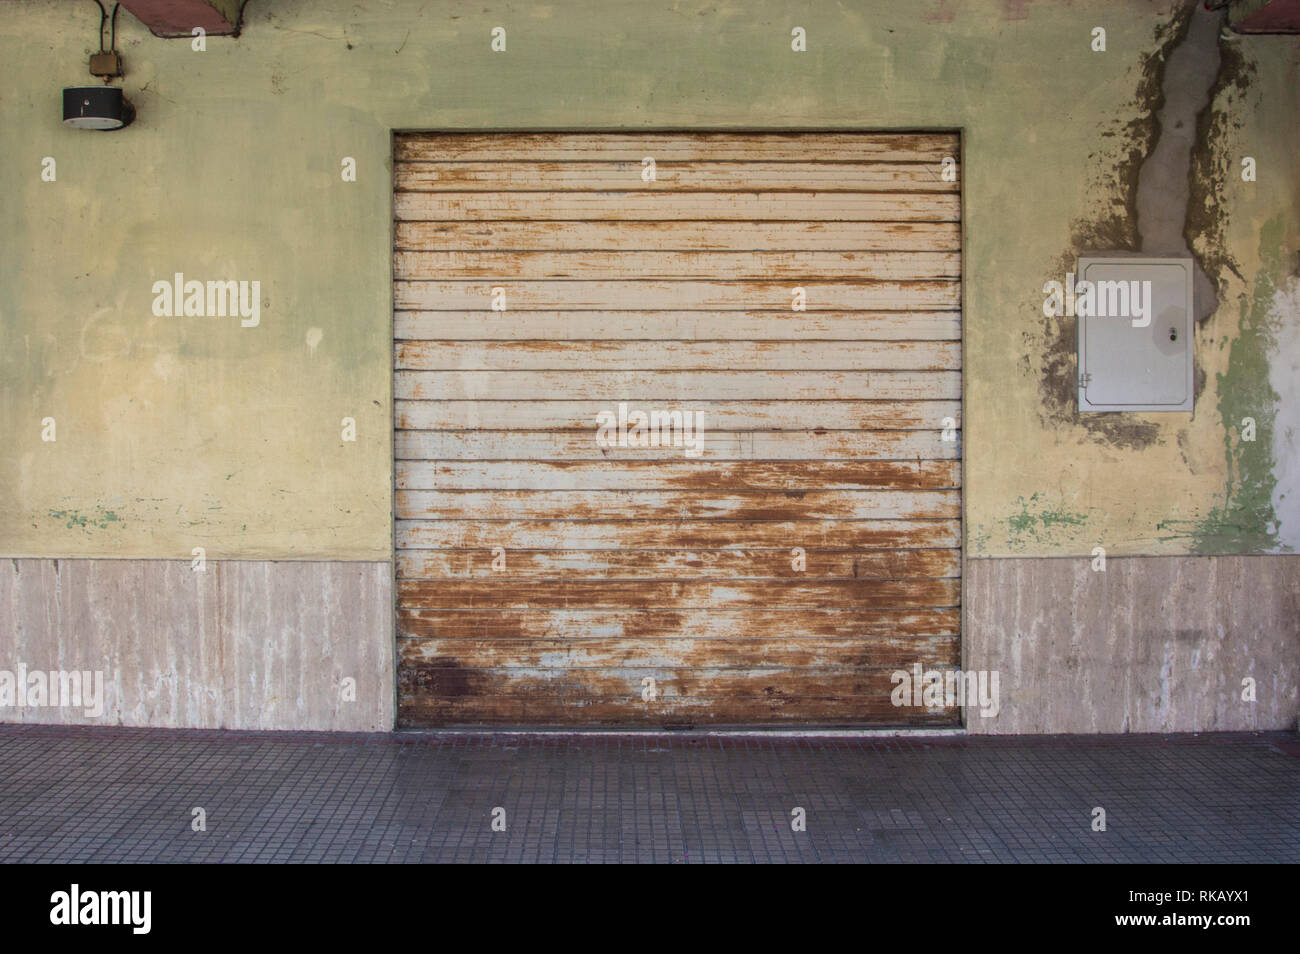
<point>1135,334</point>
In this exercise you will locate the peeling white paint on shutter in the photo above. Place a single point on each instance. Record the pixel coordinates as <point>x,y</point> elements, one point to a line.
<point>824,428</point>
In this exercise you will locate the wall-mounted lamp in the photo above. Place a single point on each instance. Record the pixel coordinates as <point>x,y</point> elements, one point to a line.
<point>100,107</point>
<point>96,107</point>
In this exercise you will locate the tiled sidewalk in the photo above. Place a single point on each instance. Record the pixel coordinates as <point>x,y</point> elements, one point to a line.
<point>124,795</point>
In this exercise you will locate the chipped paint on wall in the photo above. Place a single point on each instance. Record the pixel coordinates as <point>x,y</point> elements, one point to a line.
<point>100,518</point>
<point>1039,522</point>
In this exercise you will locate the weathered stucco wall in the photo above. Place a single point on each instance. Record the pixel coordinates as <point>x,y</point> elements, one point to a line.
<point>181,432</point>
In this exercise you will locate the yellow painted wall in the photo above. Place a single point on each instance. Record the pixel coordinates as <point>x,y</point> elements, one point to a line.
<point>174,433</point>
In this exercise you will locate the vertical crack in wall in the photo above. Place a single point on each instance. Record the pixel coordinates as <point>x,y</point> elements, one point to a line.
<point>1164,181</point>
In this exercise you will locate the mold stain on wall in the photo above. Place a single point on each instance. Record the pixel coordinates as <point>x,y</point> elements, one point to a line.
<point>1039,523</point>
<point>100,518</point>
<point>1284,375</point>
<point>1245,522</point>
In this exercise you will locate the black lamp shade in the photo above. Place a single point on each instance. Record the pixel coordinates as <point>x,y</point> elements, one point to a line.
<point>96,107</point>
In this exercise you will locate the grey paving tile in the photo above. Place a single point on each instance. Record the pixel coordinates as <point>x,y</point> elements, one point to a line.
<point>123,795</point>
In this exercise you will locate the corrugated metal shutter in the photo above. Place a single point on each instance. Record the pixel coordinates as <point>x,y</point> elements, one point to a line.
<point>823,427</point>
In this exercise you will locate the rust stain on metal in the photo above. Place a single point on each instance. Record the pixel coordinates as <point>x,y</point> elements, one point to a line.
<point>810,551</point>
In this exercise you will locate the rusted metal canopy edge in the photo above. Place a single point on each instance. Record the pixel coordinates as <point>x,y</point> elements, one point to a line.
<point>177,18</point>
<point>1277,16</point>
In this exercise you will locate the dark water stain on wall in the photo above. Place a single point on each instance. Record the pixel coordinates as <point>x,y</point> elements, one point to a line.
<point>1212,166</point>
<point>1182,219</point>
<point>1113,229</point>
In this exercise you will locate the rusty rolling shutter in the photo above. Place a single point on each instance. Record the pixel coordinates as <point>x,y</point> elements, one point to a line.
<point>553,573</point>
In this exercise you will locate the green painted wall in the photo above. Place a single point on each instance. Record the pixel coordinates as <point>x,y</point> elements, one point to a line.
<point>174,433</point>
